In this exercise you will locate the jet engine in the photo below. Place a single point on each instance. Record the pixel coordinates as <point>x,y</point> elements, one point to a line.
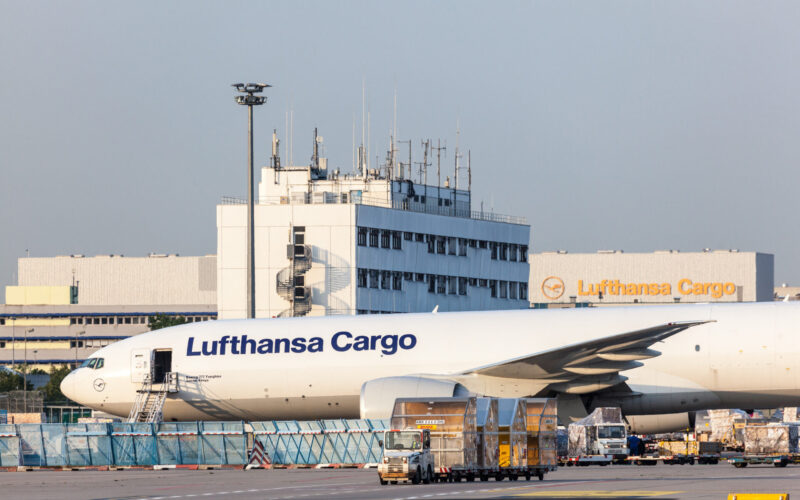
<point>657,424</point>
<point>378,395</point>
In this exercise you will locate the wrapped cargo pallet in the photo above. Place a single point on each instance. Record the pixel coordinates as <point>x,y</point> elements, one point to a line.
<point>512,433</point>
<point>583,433</point>
<point>488,446</point>
<point>772,439</point>
<point>541,421</point>
<point>562,442</point>
<point>452,424</point>
<point>723,426</point>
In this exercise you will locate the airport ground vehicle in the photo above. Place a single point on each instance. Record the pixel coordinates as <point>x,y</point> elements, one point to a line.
<point>773,443</point>
<point>598,439</point>
<point>469,438</point>
<point>406,456</point>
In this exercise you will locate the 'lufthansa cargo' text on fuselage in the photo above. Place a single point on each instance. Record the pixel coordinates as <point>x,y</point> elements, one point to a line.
<point>340,342</point>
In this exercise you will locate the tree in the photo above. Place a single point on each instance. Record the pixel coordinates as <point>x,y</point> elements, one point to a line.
<point>52,390</point>
<point>160,321</point>
<point>10,381</point>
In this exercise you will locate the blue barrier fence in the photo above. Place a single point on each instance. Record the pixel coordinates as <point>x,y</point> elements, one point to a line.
<point>189,443</point>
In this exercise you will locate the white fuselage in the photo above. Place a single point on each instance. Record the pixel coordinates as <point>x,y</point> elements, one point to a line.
<point>746,356</point>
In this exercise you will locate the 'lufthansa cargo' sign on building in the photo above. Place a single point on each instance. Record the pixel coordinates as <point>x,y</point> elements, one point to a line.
<point>661,277</point>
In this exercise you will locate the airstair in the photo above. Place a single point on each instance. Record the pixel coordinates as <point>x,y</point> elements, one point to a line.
<point>150,399</point>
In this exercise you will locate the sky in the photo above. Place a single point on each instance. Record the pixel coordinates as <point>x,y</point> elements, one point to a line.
<point>634,125</point>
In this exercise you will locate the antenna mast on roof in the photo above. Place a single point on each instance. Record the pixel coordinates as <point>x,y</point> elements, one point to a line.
<point>439,149</point>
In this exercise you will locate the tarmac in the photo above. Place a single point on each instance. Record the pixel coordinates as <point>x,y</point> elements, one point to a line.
<point>621,482</point>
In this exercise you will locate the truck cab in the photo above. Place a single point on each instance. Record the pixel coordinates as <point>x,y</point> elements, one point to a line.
<point>612,440</point>
<point>406,456</point>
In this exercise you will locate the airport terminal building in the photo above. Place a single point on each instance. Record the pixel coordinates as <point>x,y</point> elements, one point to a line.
<point>561,279</point>
<point>371,242</point>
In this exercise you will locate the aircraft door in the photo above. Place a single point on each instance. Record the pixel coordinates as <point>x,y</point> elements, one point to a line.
<point>162,364</point>
<point>141,361</point>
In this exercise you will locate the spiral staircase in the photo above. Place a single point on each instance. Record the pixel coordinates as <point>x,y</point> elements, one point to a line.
<point>291,281</point>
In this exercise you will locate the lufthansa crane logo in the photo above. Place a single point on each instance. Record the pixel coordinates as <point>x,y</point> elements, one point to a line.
<point>553,287</point>
<point>99,384</point>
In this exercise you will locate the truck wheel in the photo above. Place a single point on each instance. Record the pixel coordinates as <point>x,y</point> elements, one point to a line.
<point>740,465</point>
<point>498,476</point>
<point>383,483</point>
<point>484,477</point>
<point>416,477</point>
<point>470,477</point>
<point>428,476</point>
<point>527,475</point>
<point>541,475</point>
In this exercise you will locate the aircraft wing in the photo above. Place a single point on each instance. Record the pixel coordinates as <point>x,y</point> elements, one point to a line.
<point>587,366</point>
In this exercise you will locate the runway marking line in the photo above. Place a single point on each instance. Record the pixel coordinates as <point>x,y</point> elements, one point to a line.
<point>598,494</point>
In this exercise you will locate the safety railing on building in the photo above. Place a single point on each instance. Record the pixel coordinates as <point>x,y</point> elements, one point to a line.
<point>381,201</point>
<point>187,443</point>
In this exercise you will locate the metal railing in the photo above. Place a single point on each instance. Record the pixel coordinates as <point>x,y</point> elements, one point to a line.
<point>408,205</point>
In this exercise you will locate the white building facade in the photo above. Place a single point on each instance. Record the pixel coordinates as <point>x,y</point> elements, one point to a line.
<point>327,243</point>
<point>615,277</point>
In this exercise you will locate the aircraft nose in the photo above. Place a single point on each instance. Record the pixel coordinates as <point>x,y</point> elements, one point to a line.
<point>68,386</point>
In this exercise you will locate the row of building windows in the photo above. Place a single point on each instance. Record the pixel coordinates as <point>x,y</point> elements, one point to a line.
<point>444,245</point>
<point>48,344</point>
<point>450,285</point>
<point>116,320</point>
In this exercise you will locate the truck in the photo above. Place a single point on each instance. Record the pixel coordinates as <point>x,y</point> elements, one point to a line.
<point>406,456</point>
<point>598,439</point>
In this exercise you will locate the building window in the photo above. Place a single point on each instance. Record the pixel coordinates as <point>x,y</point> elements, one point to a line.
<point>419,237</point>
<point>362,311</point>
<point>419,277</point>
<point>504,251</point>
<point>386,277</point>
<point>523,291</point>
<point>431,283</point>
<point>462,247</point>
<point>397,280</point>
<point>362,278</point>
<point>397,242</point>
<point>493,247</point>
<point>373,278</point>
<point>373,238</point>
<point>451,245</point>
<point>493,288</point>
<point>473,243</point>
<point>451,285</point>
<point>408,236</point>
<point>362,236</point>
<point>483,283</point>
<point>512,290</point>
<point>72,321</point>
<point>523,254</point>
<point>384,239</point>
<point>431,243</point>
<point>441,245</point>
<point>441,284</point>
<point>408,276</point>
<point>473,282</point>
<point>504,289</point>
<point>72,344</point>
<point>462,286</point>
<point>104,321</point>
<point>512,252</point>
<point>483,244</point>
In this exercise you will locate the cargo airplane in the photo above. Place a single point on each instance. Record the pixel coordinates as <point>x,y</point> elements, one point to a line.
<point>658,363</point>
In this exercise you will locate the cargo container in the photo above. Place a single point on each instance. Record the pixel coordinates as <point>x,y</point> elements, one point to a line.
<point>541,422</point>
<point>488,446</point>
<point>512,437</point>
<point>452,424</point>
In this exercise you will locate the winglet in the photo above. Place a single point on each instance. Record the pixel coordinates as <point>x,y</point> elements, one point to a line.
<point>435,309</point>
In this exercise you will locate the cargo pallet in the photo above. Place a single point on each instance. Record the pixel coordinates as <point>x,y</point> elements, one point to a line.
<point>677,459</point>
<point>776,460</point>
<point>584,461</point>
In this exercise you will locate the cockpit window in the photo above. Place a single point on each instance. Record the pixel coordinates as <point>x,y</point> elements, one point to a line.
<point>94,363</point>
<point>89,363</point>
